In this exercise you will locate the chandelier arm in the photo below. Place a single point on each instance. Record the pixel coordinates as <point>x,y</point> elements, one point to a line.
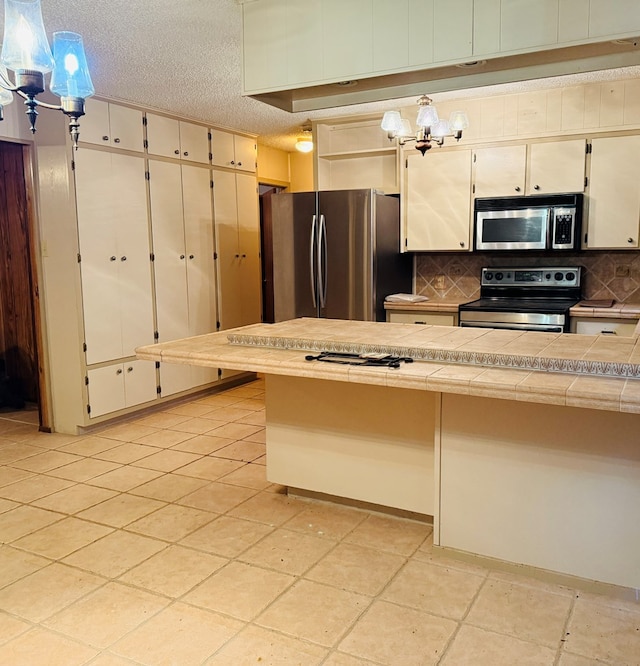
<point>6,84</point>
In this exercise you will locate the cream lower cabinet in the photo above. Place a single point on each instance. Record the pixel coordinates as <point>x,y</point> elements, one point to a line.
<point>184,269</point>
<point>114,387</point>
<point>115,262</point>
<point>437,201</point>
<point>237,228</point>
<point>614,195</point>
<point>603,326</point>
<point>433,318</point>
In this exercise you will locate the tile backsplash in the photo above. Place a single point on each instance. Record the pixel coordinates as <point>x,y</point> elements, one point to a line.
<point>606,275</point>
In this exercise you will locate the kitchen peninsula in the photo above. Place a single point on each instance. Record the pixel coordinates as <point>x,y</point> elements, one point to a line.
<point>523,446</point>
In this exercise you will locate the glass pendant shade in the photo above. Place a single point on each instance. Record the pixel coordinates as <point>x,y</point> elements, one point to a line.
<point>25,45</point>
<point>406,128</point>
<point>6,96</point>
<point>70,77</point>
<point>427,116</point>
<point>391,122</point>
<point>441,128</point>
<point>458,121</point>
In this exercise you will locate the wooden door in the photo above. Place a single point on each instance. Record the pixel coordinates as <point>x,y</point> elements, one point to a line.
<point>20,330</point>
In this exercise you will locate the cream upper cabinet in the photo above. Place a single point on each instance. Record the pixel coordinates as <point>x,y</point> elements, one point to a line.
<point>233,150</point>
<point>614,193</point>
<point>555,167</point>
<point>437,201</point>
<point>499,171</point>
<point>168,137</point>
<point>112,125</point>
<point>528,23</point>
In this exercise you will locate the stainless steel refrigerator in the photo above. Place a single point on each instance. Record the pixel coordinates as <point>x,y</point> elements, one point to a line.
<point>336,254</point>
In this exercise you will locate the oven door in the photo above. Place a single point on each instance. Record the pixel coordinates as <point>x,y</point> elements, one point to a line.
<point>514,229</point>
<point>517,321</point>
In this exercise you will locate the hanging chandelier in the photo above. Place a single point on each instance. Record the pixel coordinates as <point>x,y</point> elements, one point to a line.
<point>431,129</point>
<point>26,51</point>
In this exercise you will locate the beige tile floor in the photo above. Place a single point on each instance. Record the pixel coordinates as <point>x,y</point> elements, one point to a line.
<point>159,541</point>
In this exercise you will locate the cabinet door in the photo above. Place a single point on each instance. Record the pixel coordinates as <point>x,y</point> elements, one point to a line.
<point>528,23</point>
<point>614,195</point>
<point>201,278</point>
<point>250,278</point>
<point>139,382</point>
<point>99,255</point>
<point>126,128</point>
<point>245,151</point>
<point>226,225</point>
<point>437,201</point>
<point>347,48</point>
<point>499,172</point>
<point>106,389</point>
<point>194,143</point>
<point>94,125</point>
<point>556,167</point>
<point>222,148</point>
<point>163,136</point>
<point>170,261</point>
<point>130,219</point>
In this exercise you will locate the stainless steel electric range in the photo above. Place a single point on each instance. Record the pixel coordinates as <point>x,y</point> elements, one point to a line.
<point>522,298</point>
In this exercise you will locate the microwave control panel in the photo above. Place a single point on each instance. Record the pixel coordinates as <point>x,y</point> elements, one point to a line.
<point>563,222</point>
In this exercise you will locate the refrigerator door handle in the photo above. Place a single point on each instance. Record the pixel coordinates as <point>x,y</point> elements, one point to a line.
<point>312,261</point>
<point>322,262</point>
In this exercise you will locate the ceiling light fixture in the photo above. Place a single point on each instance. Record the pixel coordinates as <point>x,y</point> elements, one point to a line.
<point>305,142</point>
<point>431,130</point>
<point>26,51</point>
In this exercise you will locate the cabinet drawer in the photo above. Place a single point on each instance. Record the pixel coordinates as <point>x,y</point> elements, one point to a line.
<point>431,318</point>
<point>598,326</point>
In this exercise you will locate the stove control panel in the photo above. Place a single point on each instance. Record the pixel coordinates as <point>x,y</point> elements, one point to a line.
<point>533,277</point>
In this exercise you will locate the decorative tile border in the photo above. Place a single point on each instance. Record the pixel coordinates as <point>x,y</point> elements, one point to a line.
<point>485,359</point>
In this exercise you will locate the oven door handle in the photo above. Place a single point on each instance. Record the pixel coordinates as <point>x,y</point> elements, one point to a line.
<point>546,328</point>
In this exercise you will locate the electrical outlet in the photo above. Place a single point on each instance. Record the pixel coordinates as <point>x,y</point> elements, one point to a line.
<point>438,283</point>
<point>623,270</point>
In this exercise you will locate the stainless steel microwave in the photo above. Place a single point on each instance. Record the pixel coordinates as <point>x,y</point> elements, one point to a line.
<point>542,222</point>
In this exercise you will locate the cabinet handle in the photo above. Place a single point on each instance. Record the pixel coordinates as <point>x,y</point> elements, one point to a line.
<point>517,188</point>
<point>129,369</point>
<point>237,256</point>
<point>112,258</point>
<point>239,163</point>
<point>116,140</point>
<point>244,256</point>
<point>461,243</point>
<point>608,332</point>
<point>182,256</point>
<point>176,152</point>
<point>629,240</point>
<point>119,371</point>
<point>123,258</point>
<point>191,256</point>
<point>536,187</point>
<point>232,162</point>
<point>186,153</point>
<point>105,138</point>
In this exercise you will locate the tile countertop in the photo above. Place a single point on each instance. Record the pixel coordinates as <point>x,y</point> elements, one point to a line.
<point>616,311</point>
<point>596,372</point>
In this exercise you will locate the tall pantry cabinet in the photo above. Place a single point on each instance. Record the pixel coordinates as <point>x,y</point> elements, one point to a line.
<point>149,253</point>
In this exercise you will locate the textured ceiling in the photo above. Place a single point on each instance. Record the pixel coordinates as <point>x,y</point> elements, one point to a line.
<point>184,56</point>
